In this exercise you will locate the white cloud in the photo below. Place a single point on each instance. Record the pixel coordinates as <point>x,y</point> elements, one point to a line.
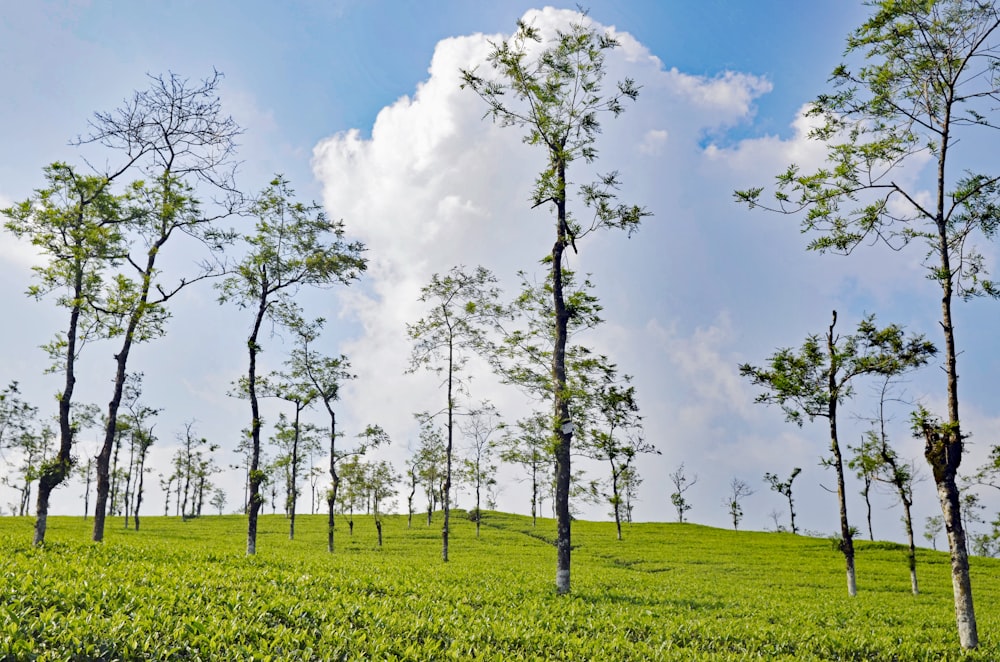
<point>436,185</point>
<point>696,292</point>
<point>652,143</point>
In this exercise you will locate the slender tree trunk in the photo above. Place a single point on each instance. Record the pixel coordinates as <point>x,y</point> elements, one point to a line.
<point>912,552</point>
<point>86,490</point>
<point>128,479</point>
<point>946,456</point>
<point>292,492</point>
<point>331,502</point>
<point>111,427</point>
<point>409,499</point>
<point>561,395</point>
<point>378,526</point>
<point>846,539</point>
<point>868,505</point>
<point>446,492</point>
<point>534,495</point>
<point>55,472</point>
<point>138,491</point>
<point>615,497</point>
<point>479,513</point>
<point>256,475</point>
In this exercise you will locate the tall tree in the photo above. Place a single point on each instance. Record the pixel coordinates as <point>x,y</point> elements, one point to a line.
<point>175,136</point>
<point>816,380</point>
<point>325,375</point>
<point>784,488</point>
<point>882,464</point>
<point>294,440</point>
<point>294,388</point>
<point>380,480</point>
<point>478,468</point>
<point>431,459</point>
<point>141,438</point>
<point>294,246</point>
<point>926,90</point>
<point>193,464</point>
<point>76,223</point>
<point>462,306</point>
<point>529,444</point>
<point>616,434</point>
<point>555,93</point>
<point>17,433</point>
<point>738,490</point>
<point>682,483</point>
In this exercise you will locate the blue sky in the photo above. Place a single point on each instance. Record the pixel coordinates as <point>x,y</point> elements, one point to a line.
<point>357,103</point>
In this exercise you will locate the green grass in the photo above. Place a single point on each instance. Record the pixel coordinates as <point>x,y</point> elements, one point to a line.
<point>185,590</point>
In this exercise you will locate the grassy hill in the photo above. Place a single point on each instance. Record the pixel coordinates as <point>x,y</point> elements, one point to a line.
<point>185,590</point>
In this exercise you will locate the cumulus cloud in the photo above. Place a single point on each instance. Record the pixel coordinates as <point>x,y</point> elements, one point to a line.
<point>697,291</point>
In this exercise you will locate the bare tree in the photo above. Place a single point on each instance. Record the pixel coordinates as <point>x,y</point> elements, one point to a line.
<point>682,483</point>
<point>738,490</point>
<point>784,488</point>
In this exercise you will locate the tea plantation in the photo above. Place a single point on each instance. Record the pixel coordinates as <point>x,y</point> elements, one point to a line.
<point>184,590</point>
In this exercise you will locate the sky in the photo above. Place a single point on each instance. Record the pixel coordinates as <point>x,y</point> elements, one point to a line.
<point>358,103</point>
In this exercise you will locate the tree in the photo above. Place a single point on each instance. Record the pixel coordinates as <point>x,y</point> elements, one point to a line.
<point>380,480</point>
<point>325,375</point>
<point>176,135</point>
<point>293,440</point>
<point>76,223</point>
<point>927,89</point>
<point>988,474</point>
<point>784,488</point>
<point>630,482</point>
<point>530,445</point>
<point>478,468</point>
<point>431,462</point>
<point>556,95</point>
<point>864,462</point>
<point>218,499</point>
<point>296,389</point>
<point>616,434</point>
<point>193,464</point>
<point>883,464</point>
<point>17,433</point>
<point>816,380</point>
<point>932,527</point>
<point>294,246</point>
<point>738,489</point>
<point>682,483</point>
<point>413,476</point>
<point>352,488</point>
<point>462,304</point>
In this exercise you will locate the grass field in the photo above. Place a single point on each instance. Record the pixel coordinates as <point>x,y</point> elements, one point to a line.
<point>185,590</point>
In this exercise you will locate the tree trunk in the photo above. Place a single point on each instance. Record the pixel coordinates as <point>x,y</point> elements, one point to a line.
<point>331,502</point>
<point>446,492</point>
<point>912,554</point>
<point>868,504</point>
<point>378,525</point>
<point>256,475</point>
<point>615,497</point>
<point>846,539</point>
<point>138,489</point>
<point>560,395</point>
<point>292,492</point>
<point>55,471</point>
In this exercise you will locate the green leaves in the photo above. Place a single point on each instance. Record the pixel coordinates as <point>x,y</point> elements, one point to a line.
<point>183,590</point>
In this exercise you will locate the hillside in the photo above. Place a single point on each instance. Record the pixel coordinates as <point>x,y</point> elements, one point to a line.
<point>185,590</point>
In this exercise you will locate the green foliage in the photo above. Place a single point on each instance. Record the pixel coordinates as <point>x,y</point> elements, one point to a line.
<point>184,590</point>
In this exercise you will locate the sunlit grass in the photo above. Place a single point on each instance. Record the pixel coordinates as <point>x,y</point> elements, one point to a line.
<point>186,590</point>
